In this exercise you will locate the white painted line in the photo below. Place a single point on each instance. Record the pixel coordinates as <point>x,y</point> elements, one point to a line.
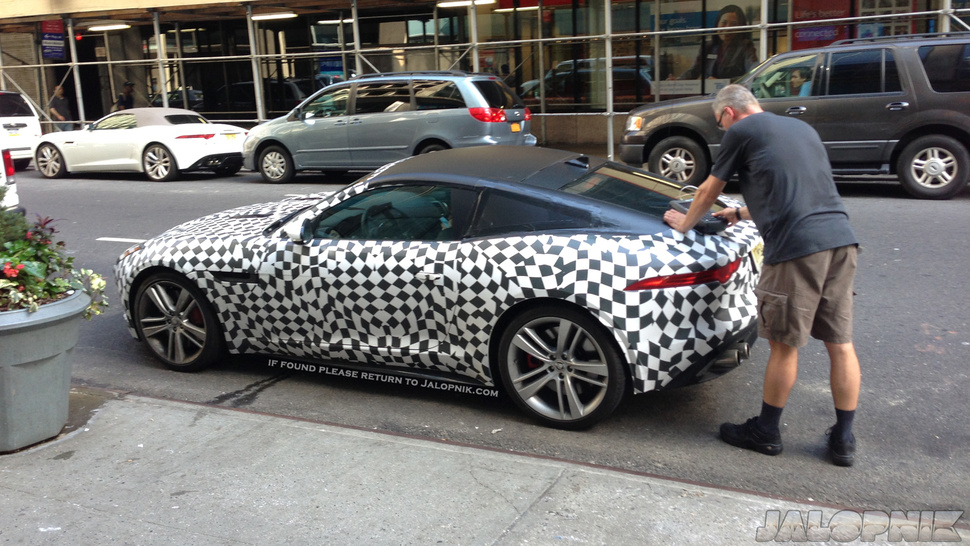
<point>119,240</point>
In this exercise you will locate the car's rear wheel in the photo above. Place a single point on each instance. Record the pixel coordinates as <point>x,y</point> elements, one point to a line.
<point>276,165</point>
<point>178,324</point>
<point>433,147</point>
<point>159,164</point>
<point>50,163</point>
<point>561,367</point>
<point>934,167</point>
<point>679,158</point>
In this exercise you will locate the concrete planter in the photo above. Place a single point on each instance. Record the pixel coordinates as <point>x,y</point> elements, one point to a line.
<point>35,370</point>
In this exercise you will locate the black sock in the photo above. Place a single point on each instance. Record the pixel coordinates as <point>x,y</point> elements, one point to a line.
<point>843,423</point>
<point>770,418</point>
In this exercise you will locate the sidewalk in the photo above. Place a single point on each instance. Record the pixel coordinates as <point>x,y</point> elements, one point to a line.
<point>136,470</point>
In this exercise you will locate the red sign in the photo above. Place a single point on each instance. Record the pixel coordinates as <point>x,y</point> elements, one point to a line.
<point>52,27</point>
<point>813,10</point>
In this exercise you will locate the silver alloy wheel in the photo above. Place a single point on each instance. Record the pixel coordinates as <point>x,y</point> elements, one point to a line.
<point>934,167</point>
<point>172,322</point>
<point>274,165</point>
<point>158,162</point>
<point>558,368</point>
<point>49,161</point>
<point>678,164</point>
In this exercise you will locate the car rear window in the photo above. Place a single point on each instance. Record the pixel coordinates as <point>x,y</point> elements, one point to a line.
<point>498,95</point>
<point>183,119</point>
<point>13,105</point>
<point>947,67</point>
<point>629,189</point>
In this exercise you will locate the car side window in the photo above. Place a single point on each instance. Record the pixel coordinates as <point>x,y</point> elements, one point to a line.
<point>859,72</point>
<point>788,77</point>
<point>399,213</point>
<point>331,103</point>
<point>502,213</point>
<point>947,67</point>
<point>377,97</point>
<point>437,95</point>
<point>118,121</point>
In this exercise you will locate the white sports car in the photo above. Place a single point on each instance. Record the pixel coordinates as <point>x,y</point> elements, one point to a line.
<point>545,273</point>
<point>160,142</point>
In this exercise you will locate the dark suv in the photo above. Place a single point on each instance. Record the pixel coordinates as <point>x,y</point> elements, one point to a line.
<point>896,105</point>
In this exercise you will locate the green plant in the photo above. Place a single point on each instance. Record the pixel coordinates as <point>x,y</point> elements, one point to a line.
<point>36,270</point>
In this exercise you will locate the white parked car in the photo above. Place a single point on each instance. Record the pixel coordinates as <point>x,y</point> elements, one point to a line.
<point>160,142</point>
<point>21,128</point>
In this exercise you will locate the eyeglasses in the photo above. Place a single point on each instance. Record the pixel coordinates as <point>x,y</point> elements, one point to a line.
<point>719,118</point>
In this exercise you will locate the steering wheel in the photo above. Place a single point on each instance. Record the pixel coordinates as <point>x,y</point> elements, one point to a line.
<point>373,219</point>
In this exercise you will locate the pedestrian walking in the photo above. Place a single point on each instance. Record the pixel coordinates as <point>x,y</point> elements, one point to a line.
<point>809,259</point>
<point>60,110</point>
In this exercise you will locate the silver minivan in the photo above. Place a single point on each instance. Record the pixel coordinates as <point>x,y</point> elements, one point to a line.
<point>375,119</point>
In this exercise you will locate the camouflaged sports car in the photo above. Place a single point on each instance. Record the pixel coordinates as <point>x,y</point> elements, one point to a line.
<point>547,273</point>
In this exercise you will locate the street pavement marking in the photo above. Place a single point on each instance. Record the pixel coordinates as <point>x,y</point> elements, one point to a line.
<point>119,240</point>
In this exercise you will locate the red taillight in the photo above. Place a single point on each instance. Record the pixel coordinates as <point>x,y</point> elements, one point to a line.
<point>528,114</point>
<point>8,163</point>
<point>205,136</point>
<point>488,115</point>
<point>721,275</point>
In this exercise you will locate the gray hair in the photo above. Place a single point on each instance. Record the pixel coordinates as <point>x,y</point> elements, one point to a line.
<point>736,96</point>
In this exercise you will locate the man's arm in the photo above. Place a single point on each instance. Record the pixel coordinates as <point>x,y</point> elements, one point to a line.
<point>704,199</point>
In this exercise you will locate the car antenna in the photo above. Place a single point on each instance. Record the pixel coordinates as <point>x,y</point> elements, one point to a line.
<point>580,161</point>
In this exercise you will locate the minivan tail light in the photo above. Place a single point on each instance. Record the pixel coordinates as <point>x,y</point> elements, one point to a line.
<point>721,275</point>
<point>528,114</point>
<point>488,115</point>
<point>206,136</point>
<point>8,164</point>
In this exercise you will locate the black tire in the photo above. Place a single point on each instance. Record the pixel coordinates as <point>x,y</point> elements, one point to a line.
<point>21,164</point>
<point>275,165</point>
<point>177,323</point>
<point>679,158</point>
<point>50,162</point>
<point>432,147</point>
<point>159,163</point>
<point>934,167</point>
<point>568,379</point>
<point>227,171</point>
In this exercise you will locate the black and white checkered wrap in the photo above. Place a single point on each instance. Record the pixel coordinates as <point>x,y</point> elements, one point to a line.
<point>433,306</point>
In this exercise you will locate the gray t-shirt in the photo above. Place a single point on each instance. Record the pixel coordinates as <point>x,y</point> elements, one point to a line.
<point>787,184</point>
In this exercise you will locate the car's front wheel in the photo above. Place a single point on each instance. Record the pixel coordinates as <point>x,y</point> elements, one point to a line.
<point>679,158</point>
<point>178,324</point>
<point>276,165</point>
<point>934,167</point>
<point>159,164</point>
<point>561,367</point>
<point>50,163</point>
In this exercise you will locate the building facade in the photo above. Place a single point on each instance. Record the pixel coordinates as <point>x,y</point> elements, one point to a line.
<point>579,64</point>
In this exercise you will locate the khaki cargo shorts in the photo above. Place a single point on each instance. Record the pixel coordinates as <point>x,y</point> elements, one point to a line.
<point>808,296</point>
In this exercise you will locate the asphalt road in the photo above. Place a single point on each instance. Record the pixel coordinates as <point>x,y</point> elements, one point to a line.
<point>912,335</point>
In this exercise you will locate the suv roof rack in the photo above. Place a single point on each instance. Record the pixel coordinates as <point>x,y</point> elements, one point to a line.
<point>415,73</point>
<point>903,37</point>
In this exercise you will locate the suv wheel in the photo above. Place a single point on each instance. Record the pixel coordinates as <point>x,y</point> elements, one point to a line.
<point>934,167</point>
<point>679,158</point>
<point>276,165</point>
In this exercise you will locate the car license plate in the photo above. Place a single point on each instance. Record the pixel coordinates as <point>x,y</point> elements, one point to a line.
<point>231,136</point>
<point>516,127</point>
<point>758,255</point>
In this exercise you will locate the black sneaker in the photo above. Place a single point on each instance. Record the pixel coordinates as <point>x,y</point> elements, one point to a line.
<point>749,436</point>
<point>841,451</point>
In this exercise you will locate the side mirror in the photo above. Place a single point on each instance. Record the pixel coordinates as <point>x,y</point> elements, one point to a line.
<point>299,232</point>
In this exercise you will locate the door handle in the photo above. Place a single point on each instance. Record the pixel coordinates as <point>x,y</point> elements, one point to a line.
<point>897,106</point>
<point>427,276</point>
<point>796,110</point>
<point>355,121</point>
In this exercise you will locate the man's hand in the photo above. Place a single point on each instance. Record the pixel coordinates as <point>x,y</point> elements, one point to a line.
<point>675,220</point>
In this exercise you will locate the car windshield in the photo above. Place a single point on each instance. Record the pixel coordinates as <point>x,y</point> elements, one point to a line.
<point>498,94</point>
<point>630,189</point>
<point>12,104</point>
<point>183,119</point>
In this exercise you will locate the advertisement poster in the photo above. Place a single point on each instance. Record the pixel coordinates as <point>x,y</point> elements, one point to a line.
<point>808,10</point>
